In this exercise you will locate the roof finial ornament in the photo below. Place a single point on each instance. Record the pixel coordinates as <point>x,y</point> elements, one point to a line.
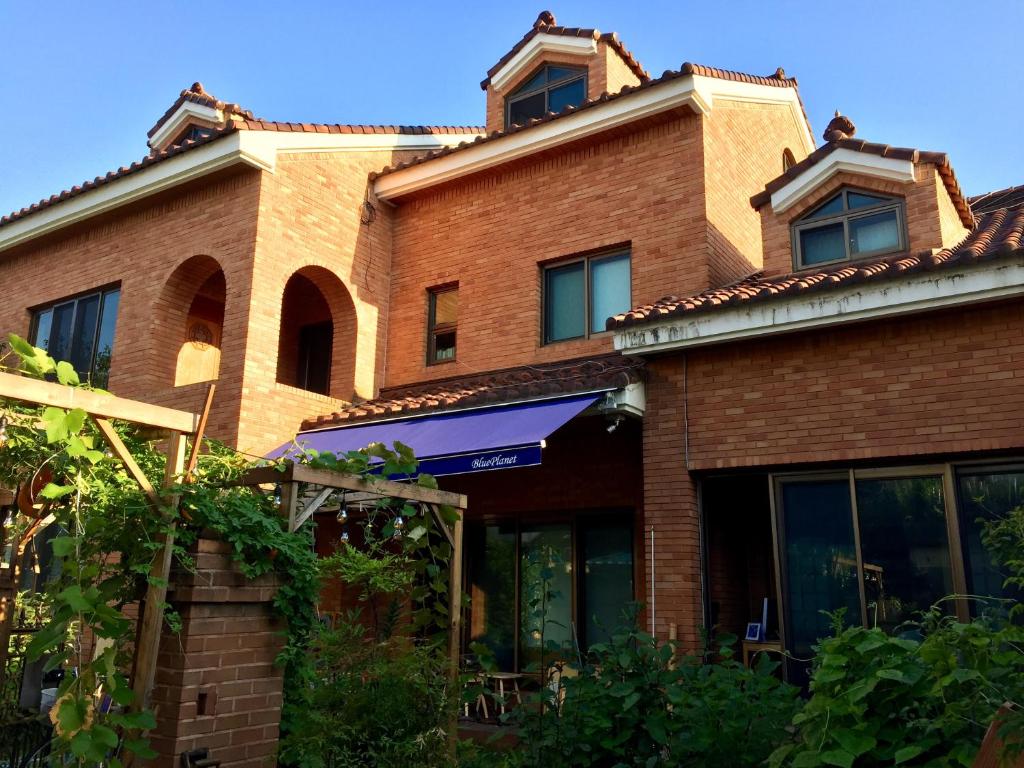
<point>839,127</point>
<point>544,19</point>
<point>780,74</point>
<point>197,87</point>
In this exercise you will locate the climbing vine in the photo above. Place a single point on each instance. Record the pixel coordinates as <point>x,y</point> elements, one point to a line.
<point>105,534</point>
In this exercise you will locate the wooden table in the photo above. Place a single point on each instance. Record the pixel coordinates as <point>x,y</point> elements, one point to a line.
<point>751,649</point>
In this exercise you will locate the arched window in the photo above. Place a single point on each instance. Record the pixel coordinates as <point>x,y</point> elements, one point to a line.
<point>788,160</point>
<point>316,349</point>
<point>188,323</point>
<point>199,355</point>
<point>849,225</point>
<point>551,89</point>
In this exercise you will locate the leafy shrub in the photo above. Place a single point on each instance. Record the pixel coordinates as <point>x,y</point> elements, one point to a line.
<point>636,704</point>
<point>915,701</point>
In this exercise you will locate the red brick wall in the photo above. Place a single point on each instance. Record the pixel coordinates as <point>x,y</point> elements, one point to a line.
<point>142,246</point>
<point>931,384</point>
<point>491,234</point>
<point>217,686</point>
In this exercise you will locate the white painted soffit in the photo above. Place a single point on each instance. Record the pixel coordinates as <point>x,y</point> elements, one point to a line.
<point>258,149</point>
<point>890,298</point>
<point>695,91</point>
<point>542,43</point>
<point>849,160</point>
<point>183,115</point>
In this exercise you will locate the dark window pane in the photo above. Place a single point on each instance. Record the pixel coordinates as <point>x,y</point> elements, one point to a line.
<point>105,341</point>
<point>820,560</point>
<point>561,73</point>
<point>564,302</point>
<point>492,586</point>
<point>571,94</point>
<point>545,602</point>
<point>609,290</point>
<point>822,244</point>
<point>983,498</point>
<point>878,232</point>
<point>860,200</point>
<point>314,363</point>
<point>832,206</point>
<point>84,338</point>
<point>59,345</point>
<point>534,82</point>
<point>904,546</point>
<point>606,557</point>
<point>523,110</point>
<point>444,345</point>
<point>41,338</point>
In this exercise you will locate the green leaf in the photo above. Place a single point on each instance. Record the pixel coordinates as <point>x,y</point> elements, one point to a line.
<point>66,374</point>
<point>807,760</point>
<point>54,491</point>
<point>891,674</point>
<point>20,346</point>
<point>75,420</point>
<point>65,545</point>
<point>838,757</point>
<point>71,715</point>
<point>855,742</point>
<point>140,748</point>
<point>55,424</point>
<point>908,753</point>
<point>104,736</point>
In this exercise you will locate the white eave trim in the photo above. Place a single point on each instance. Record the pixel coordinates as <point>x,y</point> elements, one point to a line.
<point>694,91</point>
<point>186,113</point>
<point>258,149</point>
<point>542,43</point>
<point>840,160</point>
<point>892,298</point>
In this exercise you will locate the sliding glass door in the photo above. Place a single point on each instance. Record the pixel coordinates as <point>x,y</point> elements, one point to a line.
<point>875,544</point>
<point>542,591</point>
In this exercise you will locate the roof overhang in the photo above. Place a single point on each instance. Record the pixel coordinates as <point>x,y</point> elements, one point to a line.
<point>187,113</point>
<point>694,91</point>
<point>839,161</point>
<point>542,43</point>
<point>901,296</point>
<point>256,149</point>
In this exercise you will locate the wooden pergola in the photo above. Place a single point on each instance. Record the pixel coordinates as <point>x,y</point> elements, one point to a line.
<point>297,510</point>
<point>172,426</point>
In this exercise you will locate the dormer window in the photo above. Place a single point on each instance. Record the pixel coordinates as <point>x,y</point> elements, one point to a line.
<point>551,89</point>
<point>847,226</point>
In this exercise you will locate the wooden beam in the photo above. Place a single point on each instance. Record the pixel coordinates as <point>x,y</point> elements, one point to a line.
<point>443,525</point>
<point>121,451</point>
<point>40,392</point>
<point>377,485</point>
<point>290,503</point>
<point>156,593</point>
<point>197,443</point>
<point>314,504</point>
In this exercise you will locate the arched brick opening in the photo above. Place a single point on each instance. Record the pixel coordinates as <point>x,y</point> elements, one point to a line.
<point>189,322</point>
<point>317,343</point>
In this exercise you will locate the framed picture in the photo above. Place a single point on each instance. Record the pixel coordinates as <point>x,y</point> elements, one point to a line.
<point>753,632</point>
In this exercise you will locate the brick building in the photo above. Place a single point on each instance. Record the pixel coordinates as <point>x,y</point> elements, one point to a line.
<point>808,421</point>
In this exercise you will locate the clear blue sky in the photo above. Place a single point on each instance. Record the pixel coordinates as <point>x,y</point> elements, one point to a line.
<point>84,81</point>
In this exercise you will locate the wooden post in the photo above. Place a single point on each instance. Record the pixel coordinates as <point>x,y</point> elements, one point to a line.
<point>290,503</point>
<point>455,617</point>
<point>156,593</point>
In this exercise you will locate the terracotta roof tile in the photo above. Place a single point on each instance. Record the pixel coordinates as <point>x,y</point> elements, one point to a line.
<point>778,80</point>
<point>1000,198</point>
<point>545,24</point>
<point>495,387</point>
<point>938,159</point>
<point>155,157</point>
<point>998,234</point>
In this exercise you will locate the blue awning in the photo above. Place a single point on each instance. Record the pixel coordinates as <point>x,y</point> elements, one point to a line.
<point>477,440</point>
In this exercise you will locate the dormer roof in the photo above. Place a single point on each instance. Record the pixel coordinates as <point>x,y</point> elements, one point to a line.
<point>842,152</point>
<point>194,103</point>
<point>546,26</point>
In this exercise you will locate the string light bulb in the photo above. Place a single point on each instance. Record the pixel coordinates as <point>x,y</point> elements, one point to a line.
<point>399,523</point>
<point>344,537</point>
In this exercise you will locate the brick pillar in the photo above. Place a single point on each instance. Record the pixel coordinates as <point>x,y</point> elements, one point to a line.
<point>670,507</point>
<point>216,682</point>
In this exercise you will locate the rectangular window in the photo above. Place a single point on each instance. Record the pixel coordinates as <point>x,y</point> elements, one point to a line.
<point>81,332</point>
<point>442,322</point>
<point>314,364</point>
<point>581,295</point>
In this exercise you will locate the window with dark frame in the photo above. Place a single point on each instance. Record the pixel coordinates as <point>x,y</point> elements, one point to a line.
<point>580,295</point>
<point>442,322</point>
<point>849,225</point>
<point>80,330</point>
<point>551,89</point>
